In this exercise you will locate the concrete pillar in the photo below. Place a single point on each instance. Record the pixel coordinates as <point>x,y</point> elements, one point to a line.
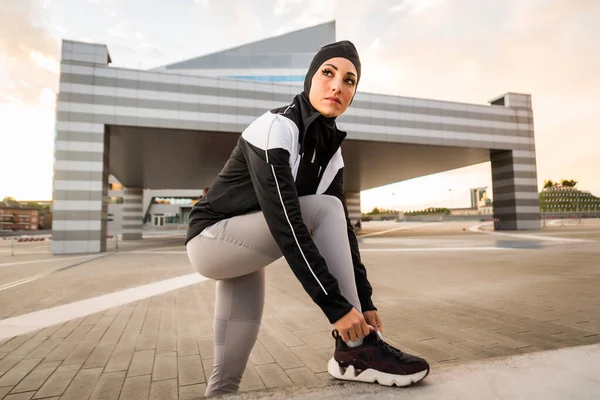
<point>132,213</point>
<point>353,204</point>
<point>516,198</point>
<point>80,182</point>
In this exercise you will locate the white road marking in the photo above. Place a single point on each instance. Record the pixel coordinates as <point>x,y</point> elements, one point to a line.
<point>33,321</point>
<point>24,280</point>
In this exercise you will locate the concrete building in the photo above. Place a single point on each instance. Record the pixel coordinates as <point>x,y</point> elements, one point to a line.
<point>174,128</point>
<point>160,208</point>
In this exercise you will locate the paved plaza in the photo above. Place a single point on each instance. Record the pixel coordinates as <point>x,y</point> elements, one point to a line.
<point>478,305</point>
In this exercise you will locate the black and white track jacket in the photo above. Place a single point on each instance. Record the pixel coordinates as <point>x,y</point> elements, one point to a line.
<point>262,174</point>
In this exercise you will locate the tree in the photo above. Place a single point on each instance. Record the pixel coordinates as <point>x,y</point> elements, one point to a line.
<point>10,201</point>
<point>375,211</point>
<point>548,184</point>
<point>569,183</point>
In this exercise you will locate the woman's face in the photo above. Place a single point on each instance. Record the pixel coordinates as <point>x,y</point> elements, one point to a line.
<point>333,87</point>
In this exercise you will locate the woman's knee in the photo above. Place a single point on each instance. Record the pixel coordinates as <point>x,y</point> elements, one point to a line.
<point>200,257</point>
<point>326,204</point>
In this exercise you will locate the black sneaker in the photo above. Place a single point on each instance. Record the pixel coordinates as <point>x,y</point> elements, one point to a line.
<point>375,360</point>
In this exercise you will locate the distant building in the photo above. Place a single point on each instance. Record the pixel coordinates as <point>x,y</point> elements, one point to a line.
<point>479,197</point>
<point>19,219</point>
<point>567,199</point>
<point>160,207</point>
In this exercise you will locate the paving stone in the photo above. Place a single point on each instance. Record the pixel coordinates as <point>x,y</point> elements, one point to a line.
<point>8,362</point>
<point>15,343</point>
<point>141,363</point>
<point>251,380</point>
<point>82,385</point>
<point>259,355</point>
<point>99,357</point>
<point>164,390</point>
<point>272,375</point>
<point>310,358</point>
<point>119,360</point>
<point>187,346</point>
<point>192,392</point>
<point>61,352</point>
<point>302,376</point>
<point>44,349</point>
<point>58,381</point>
<point>165,366</point>
<point>18,372</point>
<point>36,378</point>
<point>283,355</point>
<point>136,388</point>
<point>190,370</point>
<point>206,348</point>
<point>29,346</point>
<point>146,341</point>
<point>166,343</point>
<point>4,391</point>
<point>20,396</point>
<point>108,386</point>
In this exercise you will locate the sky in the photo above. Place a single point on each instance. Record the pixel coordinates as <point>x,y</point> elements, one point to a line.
<point>456,50</point>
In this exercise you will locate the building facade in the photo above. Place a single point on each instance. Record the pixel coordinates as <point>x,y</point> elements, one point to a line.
<point>174,127</point>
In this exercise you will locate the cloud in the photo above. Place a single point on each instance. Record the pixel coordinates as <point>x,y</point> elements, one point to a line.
<point>30,57</point>
<point>307,13</point>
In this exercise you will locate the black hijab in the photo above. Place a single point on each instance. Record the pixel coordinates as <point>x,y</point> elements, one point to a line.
<point>320,128</point>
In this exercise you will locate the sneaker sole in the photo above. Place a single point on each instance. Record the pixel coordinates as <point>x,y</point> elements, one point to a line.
<point>372,375</point>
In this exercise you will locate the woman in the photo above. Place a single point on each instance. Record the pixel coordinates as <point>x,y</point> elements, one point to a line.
<point>281,193</point>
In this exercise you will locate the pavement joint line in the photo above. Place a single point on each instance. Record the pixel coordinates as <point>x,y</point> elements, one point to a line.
<point>19,325</point>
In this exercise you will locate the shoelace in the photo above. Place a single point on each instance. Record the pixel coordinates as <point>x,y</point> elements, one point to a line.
<point>387,349</point>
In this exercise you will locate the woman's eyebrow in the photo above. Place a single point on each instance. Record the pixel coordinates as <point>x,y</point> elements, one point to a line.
<point>336,68</point>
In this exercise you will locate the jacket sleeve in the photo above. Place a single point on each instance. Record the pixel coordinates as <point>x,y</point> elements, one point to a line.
<point>267,154</point>
<point>365,291</point>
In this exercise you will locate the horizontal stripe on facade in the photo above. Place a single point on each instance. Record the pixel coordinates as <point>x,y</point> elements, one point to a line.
<point>509,162</point>
<point>423,136</point>
<point>531,195</point>
<point>68,175</point>
<point>518,217</point>
<point>77,246</point>
<point>90,127</point>
<point>82,137</point>
<point>83,146</point>
<point>134,218</point>
<point>83,225</point>
<point>509,189</point>
<point>132,208</point>
<point>518,209</point>
<point>78,185</point>
<point>78,195</point>
<point>253,107</point>
<point>77,234</point>
<point>76,215</point>
<point>513,182</point>
<point>95,166</point>
<point>73,205</point>
<point>515,202</point>
<point>272,94</point>
<point>514,167</point>
<point>513,175</point>
<point>78,155</point>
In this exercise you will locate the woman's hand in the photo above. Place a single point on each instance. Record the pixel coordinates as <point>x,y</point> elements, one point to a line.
<point>373,319</point>
<point>352,326</point>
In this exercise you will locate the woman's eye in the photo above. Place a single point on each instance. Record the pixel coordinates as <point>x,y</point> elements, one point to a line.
<point>326,71</point>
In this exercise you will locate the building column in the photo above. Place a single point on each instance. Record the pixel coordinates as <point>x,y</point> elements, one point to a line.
<point>81,147</point>
<point>132,213</point>
<point>353,205</point>
<point>79,209</point>
<point>516,199</point>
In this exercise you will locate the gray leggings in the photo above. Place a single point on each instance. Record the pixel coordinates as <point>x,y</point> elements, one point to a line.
<point>234,252</point>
